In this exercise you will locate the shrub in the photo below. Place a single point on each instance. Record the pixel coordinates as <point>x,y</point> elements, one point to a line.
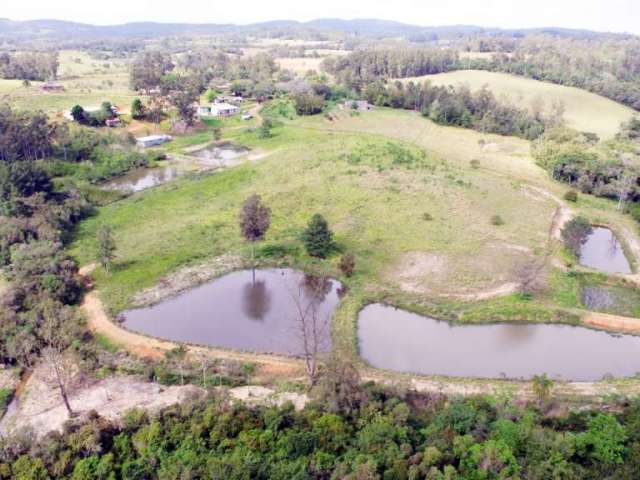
<point>317,237</point>
<point>475,163</point>
<point>497,220</point>
<point>571,196</point>
<point>347,264</point>
<point>427,217</point>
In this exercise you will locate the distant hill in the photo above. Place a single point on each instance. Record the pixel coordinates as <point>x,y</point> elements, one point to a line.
<point>64,30</point>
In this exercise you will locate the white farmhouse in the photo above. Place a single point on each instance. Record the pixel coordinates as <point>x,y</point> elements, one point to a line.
<point>218,110</point>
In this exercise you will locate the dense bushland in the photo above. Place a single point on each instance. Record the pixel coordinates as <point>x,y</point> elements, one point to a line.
<point>349,433</point>
<point>29,65</point>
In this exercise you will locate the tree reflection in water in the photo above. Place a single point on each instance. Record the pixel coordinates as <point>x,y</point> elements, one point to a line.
<point>256,300</point>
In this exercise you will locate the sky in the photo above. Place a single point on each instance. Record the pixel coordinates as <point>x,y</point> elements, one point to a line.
<point>601,15</point>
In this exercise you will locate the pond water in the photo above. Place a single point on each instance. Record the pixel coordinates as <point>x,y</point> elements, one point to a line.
<point>221,155</point>
<point>602,251</point>
<point>398,340</point>
<point>142,178</point>
<point>234,311</point>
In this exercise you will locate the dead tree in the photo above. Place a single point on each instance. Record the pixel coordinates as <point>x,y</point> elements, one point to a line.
<point>311,329</point>
<point>529,276</point>
<point>57,357</point>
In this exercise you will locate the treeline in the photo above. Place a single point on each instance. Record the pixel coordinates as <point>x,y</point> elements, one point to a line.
<point>364,66</point>
<point>459,106</point>
<point>33,66</point>
<point>608,66</point>
<point>350,432</point>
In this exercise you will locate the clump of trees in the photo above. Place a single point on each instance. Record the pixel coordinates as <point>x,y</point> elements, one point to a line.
<point>610,170</point>
<point>31,66</point>
<point>93,119</point>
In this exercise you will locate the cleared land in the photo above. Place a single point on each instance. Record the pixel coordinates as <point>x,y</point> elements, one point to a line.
<point>87,81</point>
<point>299,66</point>
<point>399,192</point>
<point>585,111</point>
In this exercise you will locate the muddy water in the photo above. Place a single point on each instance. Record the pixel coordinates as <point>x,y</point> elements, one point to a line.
<point>602,251</point>
<point>235,312</point>
<point>402,341</point>
<point>222,155</point>
<point>142,179</point>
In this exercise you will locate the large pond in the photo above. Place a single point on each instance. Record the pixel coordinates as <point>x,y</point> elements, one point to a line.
<point>142,178</point>
<point>398,340</point>
<point>602,251</point>
<point>261,314</point>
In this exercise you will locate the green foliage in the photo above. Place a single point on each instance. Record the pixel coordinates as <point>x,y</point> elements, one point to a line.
<point>279,108</point>
<point>137,109</point>
<point>317,237</point>
<point>571,196</point>
<point>603,442</point>
<point>542,385</point>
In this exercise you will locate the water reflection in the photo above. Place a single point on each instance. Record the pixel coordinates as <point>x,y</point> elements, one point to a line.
<point>142,179</point>
<point>402,341</point>
<point>602,251</point>
<point>256,299</point>
<point>233,311</point>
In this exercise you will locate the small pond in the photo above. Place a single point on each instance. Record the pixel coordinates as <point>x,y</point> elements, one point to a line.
<point>602,251</point>
<point>398,340</point>
<point>221,155</point>
<point>142,178</point>
<point>236,311</point>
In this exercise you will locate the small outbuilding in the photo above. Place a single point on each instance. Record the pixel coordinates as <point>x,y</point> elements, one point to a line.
<point>152,140</point>
<point>52,87</point>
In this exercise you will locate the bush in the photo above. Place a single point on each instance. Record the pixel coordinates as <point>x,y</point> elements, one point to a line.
<point>497,220</point>
<point>427,217</point>
<point>475,163</point>
<point>317,237</point>
<point>571,196</point>
<point>347,264</point>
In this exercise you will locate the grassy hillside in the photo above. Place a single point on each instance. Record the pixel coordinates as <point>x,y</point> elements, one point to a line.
<point>585,111</point>
<point>400,193</point>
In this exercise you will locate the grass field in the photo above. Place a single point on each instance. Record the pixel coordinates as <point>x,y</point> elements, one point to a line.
<point>585,111</point>
<point>399,192</point>
<point>87,82</point>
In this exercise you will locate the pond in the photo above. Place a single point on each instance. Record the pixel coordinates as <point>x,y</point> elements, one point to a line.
<point>398,340</point>
<point>602,251</point>
<point>236,311</point>
<point>221,155</point>
<point>142,178</point>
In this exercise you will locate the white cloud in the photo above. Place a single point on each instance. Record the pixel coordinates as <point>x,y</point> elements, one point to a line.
<point>609,15</point>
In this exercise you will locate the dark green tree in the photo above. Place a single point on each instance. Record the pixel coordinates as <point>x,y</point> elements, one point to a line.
<point>255,220</point>
<point>137,109</point>
<point>318,238</point>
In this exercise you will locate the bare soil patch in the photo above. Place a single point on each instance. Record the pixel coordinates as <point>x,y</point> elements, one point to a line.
<point>40,408</point>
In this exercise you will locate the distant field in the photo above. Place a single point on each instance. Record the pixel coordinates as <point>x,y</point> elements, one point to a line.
<point>299,65</point>
<point>87,82</point>
<point>585,111</point>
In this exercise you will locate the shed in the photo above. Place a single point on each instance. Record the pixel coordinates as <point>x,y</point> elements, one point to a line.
<point>152,140</point>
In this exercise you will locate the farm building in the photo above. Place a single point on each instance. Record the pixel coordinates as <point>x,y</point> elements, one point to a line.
<point>218,110</point>
<point>52,87</point>
<point>152,140</point>
<point>112,122</point>
<point>359,105</point>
